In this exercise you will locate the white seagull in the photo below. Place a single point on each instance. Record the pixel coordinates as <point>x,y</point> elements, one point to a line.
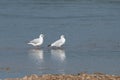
<point>59,42</point>
<point>37,41</point>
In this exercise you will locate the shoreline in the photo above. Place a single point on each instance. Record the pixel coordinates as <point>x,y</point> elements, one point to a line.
<point>79,76</point>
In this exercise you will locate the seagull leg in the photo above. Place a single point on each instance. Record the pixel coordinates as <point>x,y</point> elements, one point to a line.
<point>37,47</point>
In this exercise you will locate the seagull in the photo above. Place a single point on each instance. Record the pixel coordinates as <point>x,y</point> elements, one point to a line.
<point>37,41</point>
<point>59,42</point>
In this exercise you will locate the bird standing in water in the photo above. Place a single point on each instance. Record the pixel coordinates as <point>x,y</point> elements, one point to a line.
<point>38,41</point>
<point>59,42</point>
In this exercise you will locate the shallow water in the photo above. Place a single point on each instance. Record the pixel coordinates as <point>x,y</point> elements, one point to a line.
<point>91,28</point>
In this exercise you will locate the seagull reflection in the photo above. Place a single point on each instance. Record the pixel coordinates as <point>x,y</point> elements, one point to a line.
<point>36,54</point>
<point>58,54</point>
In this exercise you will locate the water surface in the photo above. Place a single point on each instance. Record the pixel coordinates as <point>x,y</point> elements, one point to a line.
<point>91,28</point>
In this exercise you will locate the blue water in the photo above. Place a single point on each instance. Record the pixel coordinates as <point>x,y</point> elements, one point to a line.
<point>91,29</point>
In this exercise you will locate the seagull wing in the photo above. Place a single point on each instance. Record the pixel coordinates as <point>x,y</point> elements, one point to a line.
<point>35,41</point>
<point>57,43</point>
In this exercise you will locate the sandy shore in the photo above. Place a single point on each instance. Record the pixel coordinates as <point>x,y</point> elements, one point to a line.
<point>80,76</point>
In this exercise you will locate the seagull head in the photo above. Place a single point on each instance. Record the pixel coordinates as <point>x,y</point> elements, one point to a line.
<point>62,36</point>
<point>41,35</point>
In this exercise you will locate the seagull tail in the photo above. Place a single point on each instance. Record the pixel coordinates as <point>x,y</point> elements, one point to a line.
<point>28,43</point>
<point>49,45</point>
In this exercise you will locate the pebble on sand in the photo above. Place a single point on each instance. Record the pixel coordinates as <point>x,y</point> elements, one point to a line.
<point>80,76</point>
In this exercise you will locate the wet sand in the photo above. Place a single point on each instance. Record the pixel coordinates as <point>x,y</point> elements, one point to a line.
<point>80,76</point>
